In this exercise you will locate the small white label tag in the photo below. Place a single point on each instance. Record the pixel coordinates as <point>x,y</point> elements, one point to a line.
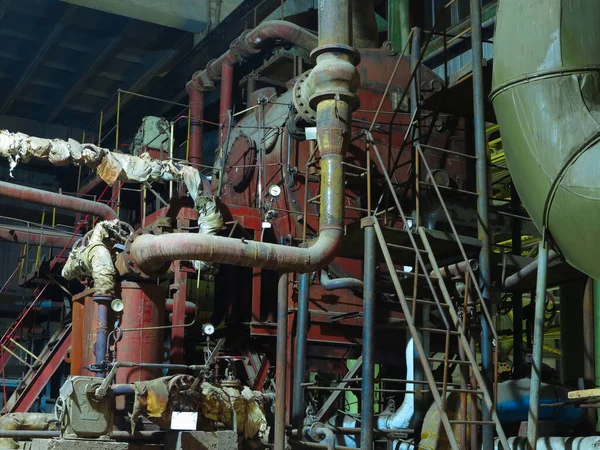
<point>184,420</point>
<point>311,133</point>
<point>266,225</point>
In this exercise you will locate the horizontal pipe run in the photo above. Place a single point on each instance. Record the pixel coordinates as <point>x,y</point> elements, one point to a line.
<point>513,280</point>
<point>53,199</point>
<point>339,283</point>
<point>251,43</point>
<point>149,251</point>
<point>36,238</point>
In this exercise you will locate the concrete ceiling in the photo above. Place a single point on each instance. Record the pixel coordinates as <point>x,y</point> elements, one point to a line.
<point>186,15</point>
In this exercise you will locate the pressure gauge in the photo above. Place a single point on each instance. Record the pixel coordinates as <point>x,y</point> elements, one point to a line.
<point>208,329</point>
<point>275,190</point>
<point>117,305</point>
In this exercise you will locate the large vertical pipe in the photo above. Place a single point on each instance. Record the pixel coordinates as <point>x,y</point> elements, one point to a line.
<point>281,361</point>
<point>368,377</point>
<point>589,352</point>
<point>482,207</point>
<point>538,346</point>
<point>144,311</point>
<point>518,366</point>
<point>301,346</point>
<point>77,331</point>
<point>101,329</point>
<point>596,294</point>
<point>398,21</point>
<point>196,125</point>
<point>571,332</point>
<point>226,99</point>
<point>364,24</point>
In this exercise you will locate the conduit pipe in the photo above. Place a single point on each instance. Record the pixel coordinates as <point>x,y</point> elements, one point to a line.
<point>334,96</point>
<point>55,200</point>
<point>546,95</point>
<point>514,280</point>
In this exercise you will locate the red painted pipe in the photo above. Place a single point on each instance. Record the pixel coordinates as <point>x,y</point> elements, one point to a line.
<point>47,198</point>
<point>196,125</point>
<point>226,100</point>
<point>253,42</point>
<point>36,238</point>
<point>190,307</point>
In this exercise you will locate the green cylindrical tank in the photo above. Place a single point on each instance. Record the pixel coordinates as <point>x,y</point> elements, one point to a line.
<point>546,94</point>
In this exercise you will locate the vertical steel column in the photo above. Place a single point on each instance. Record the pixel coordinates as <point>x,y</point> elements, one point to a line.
<point>281,361</point>
<point>589,351</point>
<point>226,99</point>
<point>368,372</point>
<point>196,125</point>
<point>518,366</point>
<point>421,314</point>
<point>482,208</point>
<point>538,346</point>
<point>301,345</point>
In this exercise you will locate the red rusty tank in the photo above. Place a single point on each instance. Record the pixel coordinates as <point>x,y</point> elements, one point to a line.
<point>143,307</point>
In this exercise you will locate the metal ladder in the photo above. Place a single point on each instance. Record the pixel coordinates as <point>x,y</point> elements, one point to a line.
<point>453,323</point>
<point>39,373</point>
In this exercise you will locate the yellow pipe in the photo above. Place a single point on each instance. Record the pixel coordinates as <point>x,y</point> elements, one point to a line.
<point>39,249</point>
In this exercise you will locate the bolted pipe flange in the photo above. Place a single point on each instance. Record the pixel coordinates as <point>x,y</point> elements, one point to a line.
<point>128,265</point>
<point>241,49</point>
<point>301,99</point>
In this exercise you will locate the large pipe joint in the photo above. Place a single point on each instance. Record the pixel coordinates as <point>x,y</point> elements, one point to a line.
<point>335,77</point>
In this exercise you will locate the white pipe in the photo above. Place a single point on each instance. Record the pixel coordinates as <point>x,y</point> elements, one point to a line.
<point>399,419</point>
<point>554,443</point>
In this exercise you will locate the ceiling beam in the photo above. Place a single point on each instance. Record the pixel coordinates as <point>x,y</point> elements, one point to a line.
<point>111,47</point>
<point>49,41</point>
<point>163,64</point>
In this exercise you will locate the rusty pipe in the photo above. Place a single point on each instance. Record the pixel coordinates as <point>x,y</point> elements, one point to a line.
<point>250,43</point>
<point>53,199</point>
<point>196,125</point>
<point>334,97</point>
<point>281,360</point>
<point>36,238</point>
<point>364,24</point>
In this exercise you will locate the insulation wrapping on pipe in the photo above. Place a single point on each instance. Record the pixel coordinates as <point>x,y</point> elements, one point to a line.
<point>546,94</point>
<point>94,259</point>
<point>110,166</point>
